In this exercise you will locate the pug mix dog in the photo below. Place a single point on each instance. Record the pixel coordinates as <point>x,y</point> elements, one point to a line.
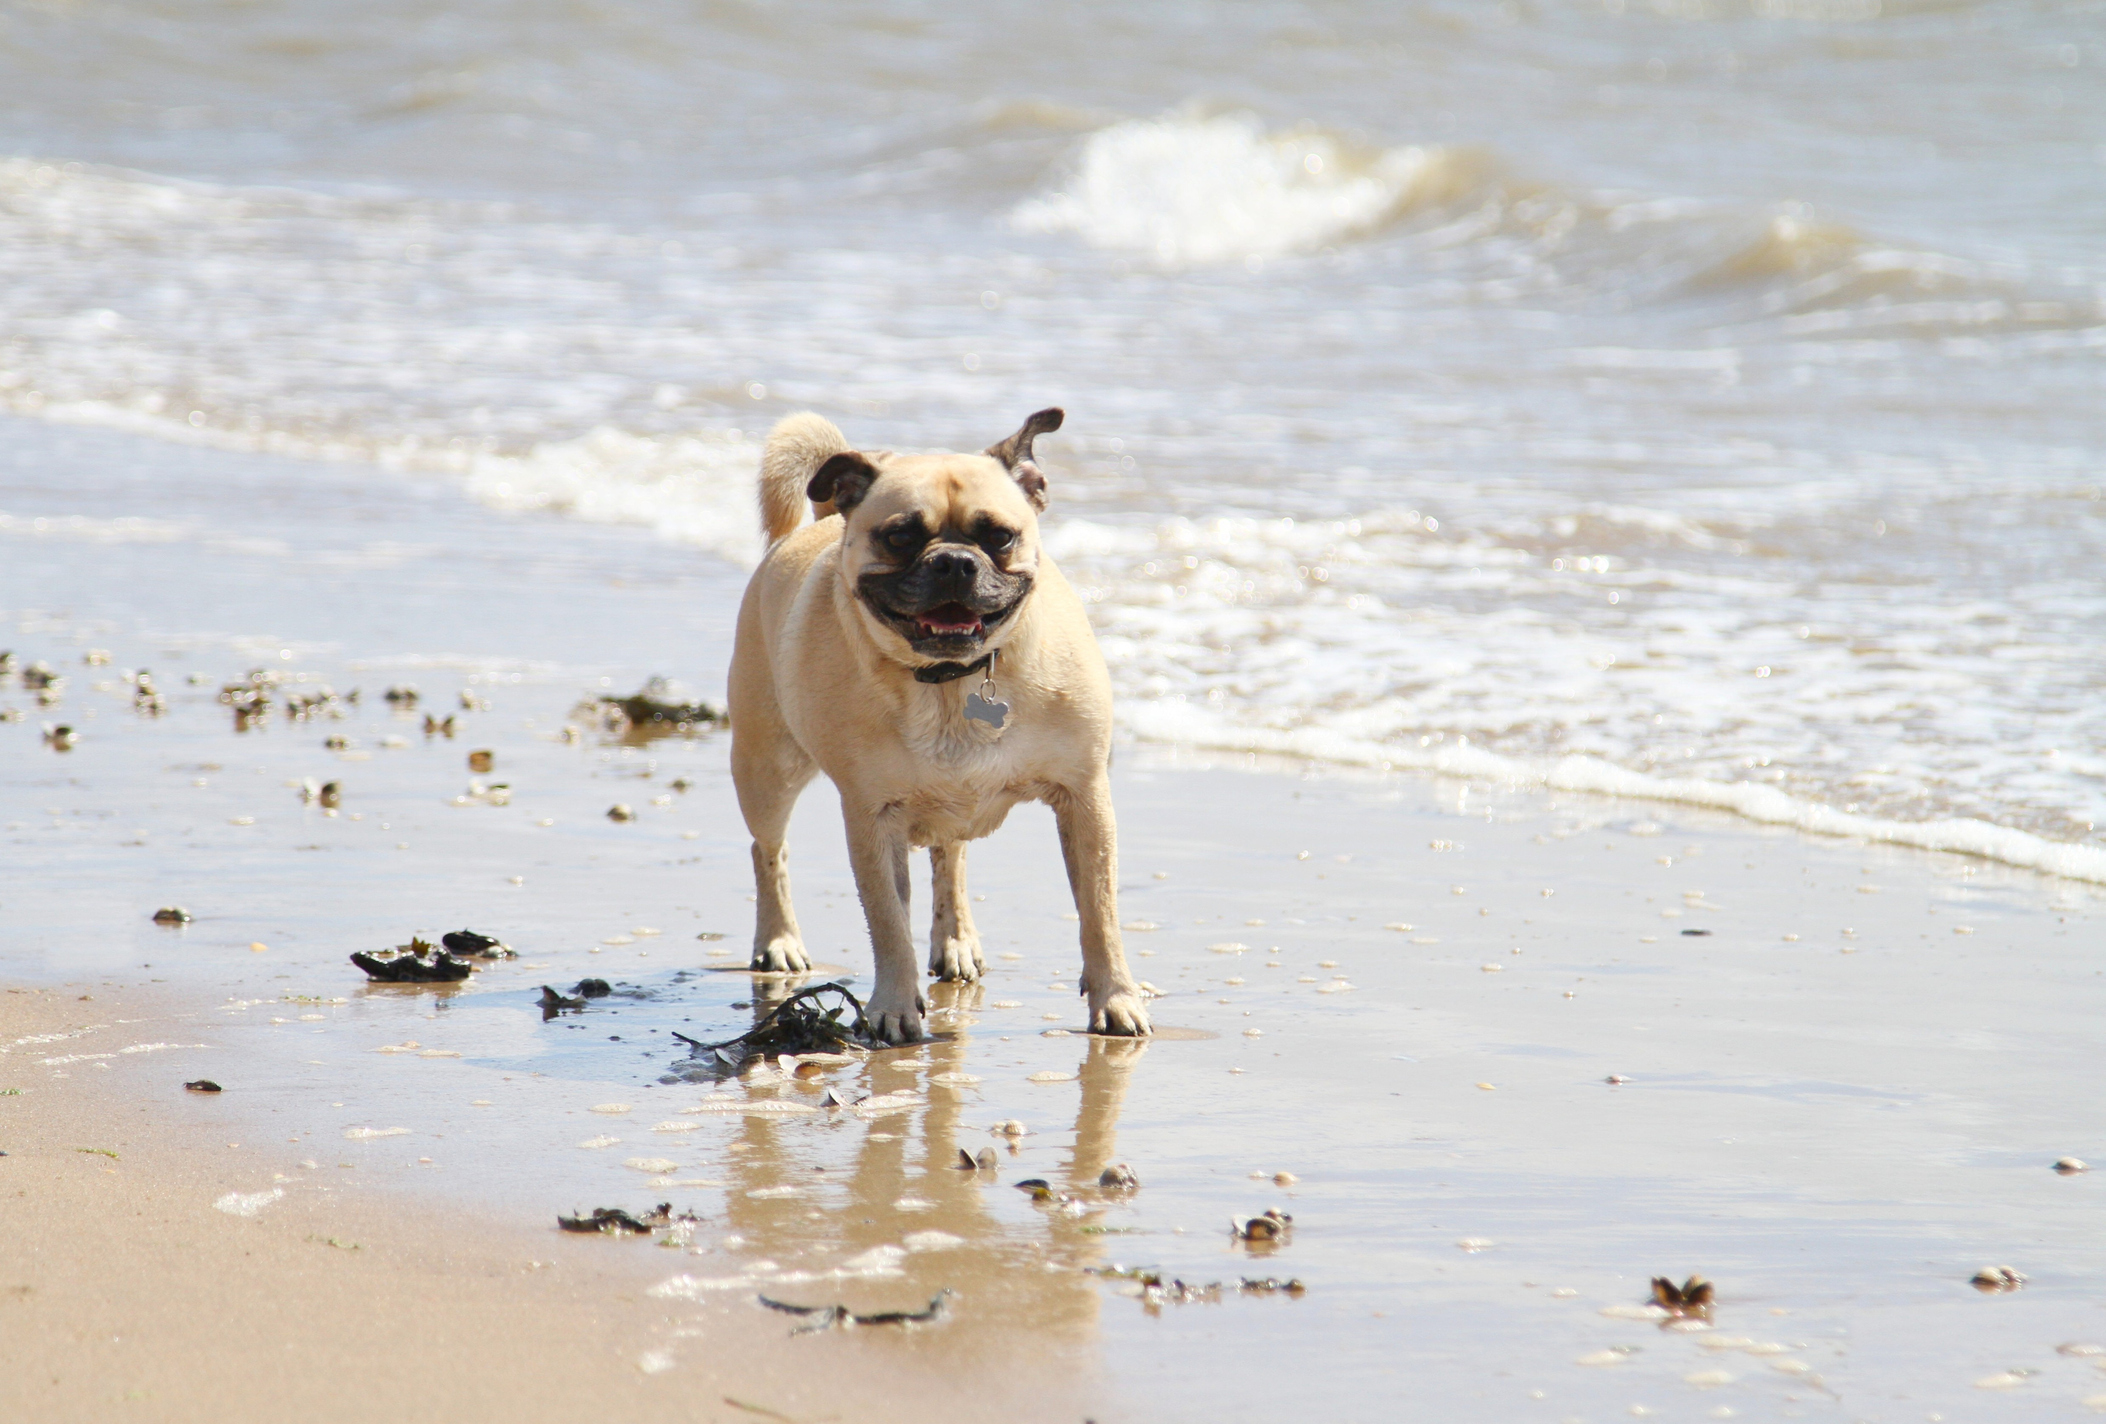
<point>916,645</point>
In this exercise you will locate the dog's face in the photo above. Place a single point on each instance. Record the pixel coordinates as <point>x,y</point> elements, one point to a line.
<point>940,550</point>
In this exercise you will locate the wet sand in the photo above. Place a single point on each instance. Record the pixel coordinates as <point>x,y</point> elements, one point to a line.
<point>1838,1101</point>
<point>154,1271</point>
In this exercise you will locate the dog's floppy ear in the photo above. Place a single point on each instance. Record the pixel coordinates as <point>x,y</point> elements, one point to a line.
<point>1015,453</point>
<point>842,481</point>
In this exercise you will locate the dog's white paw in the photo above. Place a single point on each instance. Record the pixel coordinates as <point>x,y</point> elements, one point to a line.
<point>1122,1011</point>
<point>782,955</point>
<point>956,959</point>
<point>895,1017</point>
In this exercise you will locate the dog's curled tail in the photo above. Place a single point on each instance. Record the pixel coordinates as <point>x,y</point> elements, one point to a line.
<point>797,446</point>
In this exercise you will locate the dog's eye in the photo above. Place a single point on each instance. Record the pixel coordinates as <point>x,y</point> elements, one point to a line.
<point>996,540</point>
<point>901,539</point>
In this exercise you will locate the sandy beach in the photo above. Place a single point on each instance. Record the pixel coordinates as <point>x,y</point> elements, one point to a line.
<point>1503,1055</point>
<point>1593,516</point>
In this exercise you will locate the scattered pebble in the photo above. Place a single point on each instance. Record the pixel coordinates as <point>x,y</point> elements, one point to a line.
<point>172,915</point>
<point>1995,1280</point>
<point>2070,1166</point>
<point>203,1085</point>
<point>620,811</point>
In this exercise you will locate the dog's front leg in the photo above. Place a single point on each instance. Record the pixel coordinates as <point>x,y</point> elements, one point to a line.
<point>1089,840</point>
<point>954,943</point>
<point>877,849</point>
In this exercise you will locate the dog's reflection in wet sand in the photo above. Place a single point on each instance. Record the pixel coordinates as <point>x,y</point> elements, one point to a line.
<point>795,1198</point>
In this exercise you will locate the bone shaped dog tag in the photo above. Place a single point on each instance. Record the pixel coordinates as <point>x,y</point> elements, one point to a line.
<point>981,709</point>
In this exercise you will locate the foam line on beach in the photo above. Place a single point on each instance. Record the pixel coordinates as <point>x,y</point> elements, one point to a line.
<point>1182,725</point>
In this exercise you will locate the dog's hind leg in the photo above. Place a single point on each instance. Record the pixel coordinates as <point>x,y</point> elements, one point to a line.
<point>954,945</point>
<point>1089,841</point>
<point>877,849</point>
<point>769,776</point>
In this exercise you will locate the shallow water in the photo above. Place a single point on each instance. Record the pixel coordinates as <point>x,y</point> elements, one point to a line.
<point>1706,392</point>
<point>1838,1106</point>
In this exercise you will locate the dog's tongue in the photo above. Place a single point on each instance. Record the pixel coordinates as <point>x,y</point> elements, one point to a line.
<point>950,618</point>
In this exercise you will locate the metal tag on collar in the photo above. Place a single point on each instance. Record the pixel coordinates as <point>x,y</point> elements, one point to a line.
<point>984,706</point>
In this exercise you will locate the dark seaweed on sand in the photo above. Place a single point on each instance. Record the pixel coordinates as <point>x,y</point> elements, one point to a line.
<point>614,1221</point>
<point>799,1024</point>
<point>1691,1298</point>
<point>409,966</point>
<point>827,1317</point>
<point>471,942</point>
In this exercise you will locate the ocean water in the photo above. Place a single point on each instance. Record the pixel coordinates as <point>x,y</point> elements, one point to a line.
<point>1694,399</point>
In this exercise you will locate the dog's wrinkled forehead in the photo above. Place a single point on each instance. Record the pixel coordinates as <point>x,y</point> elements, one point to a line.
<point>947,491</point>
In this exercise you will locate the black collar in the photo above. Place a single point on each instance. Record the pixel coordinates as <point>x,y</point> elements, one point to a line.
<point>949,672</point>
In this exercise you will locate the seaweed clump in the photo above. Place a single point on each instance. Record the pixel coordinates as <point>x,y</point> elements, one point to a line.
<point>614,1221</point>
<point>413,963</point>
<point>654,710</point>
<point>802,1023</point>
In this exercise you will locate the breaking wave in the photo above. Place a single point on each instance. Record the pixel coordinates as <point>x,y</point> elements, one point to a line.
<point>1192,189</point>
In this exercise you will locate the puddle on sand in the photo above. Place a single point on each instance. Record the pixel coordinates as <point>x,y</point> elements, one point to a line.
<point>1776,1097</point>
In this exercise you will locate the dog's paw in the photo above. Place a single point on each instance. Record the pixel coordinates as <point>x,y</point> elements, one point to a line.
<point>1122,1012</point>
<point>782,955</point>
<point>956,959</point>
<point>894,1016</point>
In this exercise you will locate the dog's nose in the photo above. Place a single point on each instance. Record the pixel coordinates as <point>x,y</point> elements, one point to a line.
<point>951,568</point>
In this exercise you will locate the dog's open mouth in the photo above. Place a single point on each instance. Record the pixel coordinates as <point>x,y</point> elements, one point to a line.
<point>949,620</point>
